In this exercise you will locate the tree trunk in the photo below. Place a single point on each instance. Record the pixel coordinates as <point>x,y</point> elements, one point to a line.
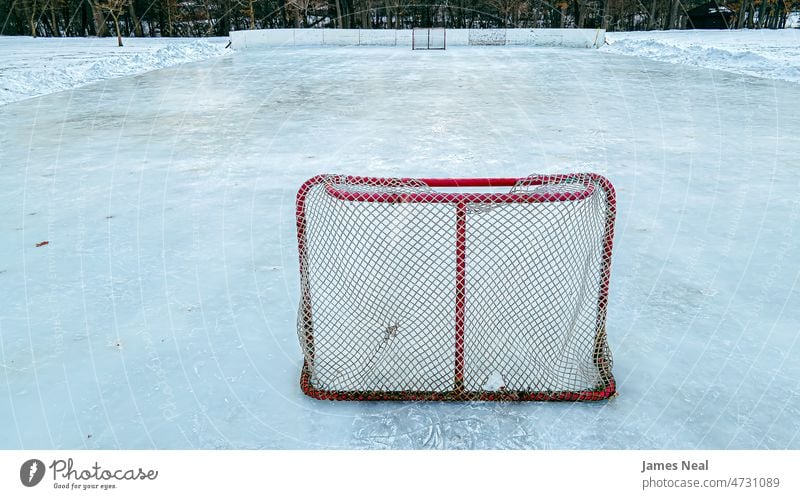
<point>169,17</point>
<point>100,27</point>
<point>751,12</point>
<point>32,19</point>
<point>251,10</point>
<point>761,11</point>
<point>115,17</point>
<point>742,14</point>
<point>347,13</point>
<point>338,13</point>
<point>651,19</point>
<point>85,31</point>
<point>580,8</point>
<point>209,17</point>
<point>673,15</point>
<point>137,25</point>
<point>54,22</point>
<point>366,19</point>
<point>775,17</point>
<point>50,25</point>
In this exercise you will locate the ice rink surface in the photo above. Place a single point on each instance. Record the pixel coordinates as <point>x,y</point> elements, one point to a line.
<point>161,313</point>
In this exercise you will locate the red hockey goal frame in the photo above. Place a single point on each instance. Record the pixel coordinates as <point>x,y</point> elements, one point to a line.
<point>584,185</point>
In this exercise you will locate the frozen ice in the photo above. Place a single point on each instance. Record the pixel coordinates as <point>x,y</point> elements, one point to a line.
<point>162,312</point>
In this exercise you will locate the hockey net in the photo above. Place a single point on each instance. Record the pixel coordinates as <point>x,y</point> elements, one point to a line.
<point>455,289</point>
<point>428,39</point>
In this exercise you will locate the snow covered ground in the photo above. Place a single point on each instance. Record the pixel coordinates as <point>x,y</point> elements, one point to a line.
<point>765,53</point>
<point>161,311</point>
<point>31,67</point>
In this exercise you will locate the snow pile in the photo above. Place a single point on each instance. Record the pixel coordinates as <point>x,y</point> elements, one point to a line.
<point>31,67</point>
<point>773,54</point>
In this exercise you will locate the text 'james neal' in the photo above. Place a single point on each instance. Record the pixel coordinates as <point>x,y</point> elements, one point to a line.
<point>684,466</point>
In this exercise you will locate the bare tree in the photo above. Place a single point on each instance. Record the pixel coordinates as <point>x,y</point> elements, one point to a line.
<point>218,17</point>
<point>248,8</point>
<point>297,11</point>
<point>33,19</point>
<point>508,10</point>
<point>115,8</point>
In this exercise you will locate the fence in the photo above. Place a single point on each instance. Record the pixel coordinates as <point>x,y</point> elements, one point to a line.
<point>576,38</point>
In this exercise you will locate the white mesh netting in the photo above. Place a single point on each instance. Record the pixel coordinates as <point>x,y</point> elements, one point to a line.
<point>428,39</point>
<point>417,289</point>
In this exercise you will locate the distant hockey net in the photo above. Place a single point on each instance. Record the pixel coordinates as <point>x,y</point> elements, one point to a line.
<point>455,289</point>
<point>428,39</point>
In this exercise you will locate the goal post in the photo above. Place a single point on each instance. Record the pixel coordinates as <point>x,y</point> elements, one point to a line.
<point>455,289</point>
<point>428,39</point>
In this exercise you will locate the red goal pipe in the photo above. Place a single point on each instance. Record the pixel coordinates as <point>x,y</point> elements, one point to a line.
<point>461,296</point>
<point>333,188</point>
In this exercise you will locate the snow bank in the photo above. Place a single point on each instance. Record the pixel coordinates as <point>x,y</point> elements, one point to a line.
<point>771,54</point>
<point>31,67</point>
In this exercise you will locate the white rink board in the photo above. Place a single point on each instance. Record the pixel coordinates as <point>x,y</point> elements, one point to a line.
<point>308,37</point>
<point>330,37</point>
<point>380,37</point>
<point>575,38</point>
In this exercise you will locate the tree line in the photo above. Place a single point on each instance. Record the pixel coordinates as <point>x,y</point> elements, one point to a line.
<point>217,17</point>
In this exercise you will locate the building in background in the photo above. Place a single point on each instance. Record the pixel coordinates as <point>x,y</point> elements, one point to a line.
<point>711,15</point>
